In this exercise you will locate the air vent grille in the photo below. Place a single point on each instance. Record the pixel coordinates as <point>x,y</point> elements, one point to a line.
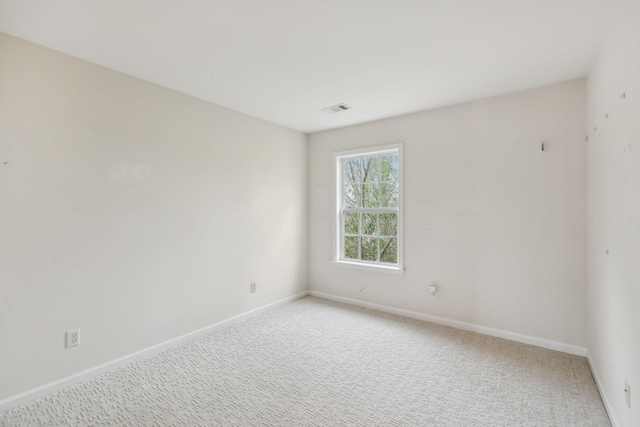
<point>336,108</point>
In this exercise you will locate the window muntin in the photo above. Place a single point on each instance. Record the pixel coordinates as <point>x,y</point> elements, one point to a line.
<point>368,222</point>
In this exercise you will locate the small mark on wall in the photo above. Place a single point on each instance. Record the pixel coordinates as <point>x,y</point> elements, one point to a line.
<point>360,291</point>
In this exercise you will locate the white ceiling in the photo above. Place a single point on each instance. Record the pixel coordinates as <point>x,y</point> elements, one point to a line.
<point>284,60</point>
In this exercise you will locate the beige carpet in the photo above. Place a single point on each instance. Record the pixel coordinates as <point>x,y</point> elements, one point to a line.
<point>318,363</point>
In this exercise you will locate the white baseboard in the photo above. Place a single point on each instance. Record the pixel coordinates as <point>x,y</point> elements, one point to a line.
<point>513,336</point>
<point>607,403</point>
<point>39,392</point>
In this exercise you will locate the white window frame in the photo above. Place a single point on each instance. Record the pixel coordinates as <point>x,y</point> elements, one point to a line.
<point>338,199</point>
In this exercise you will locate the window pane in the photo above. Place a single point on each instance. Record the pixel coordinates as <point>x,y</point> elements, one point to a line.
<point>389,250</point>
<point>369,249</point>
<point>351,223</point>
<point>353,171</point>
<point>372,172</point>
<point>371,196</point>
<point>389,168</point>
<point>389,224</point>
<point>389,195</point>
<point>352,196</point>
<point>369,224</point>
<point>351,247</point>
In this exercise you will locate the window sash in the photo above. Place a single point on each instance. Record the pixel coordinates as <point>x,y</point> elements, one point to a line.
<point>379,238</point>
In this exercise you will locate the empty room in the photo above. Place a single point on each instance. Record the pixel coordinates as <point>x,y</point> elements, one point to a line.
<point>320,213</point>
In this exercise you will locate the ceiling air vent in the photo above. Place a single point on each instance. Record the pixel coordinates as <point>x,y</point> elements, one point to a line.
<point>336,108</point>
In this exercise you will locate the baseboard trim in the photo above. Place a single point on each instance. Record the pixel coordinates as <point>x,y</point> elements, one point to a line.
<point>607,403</point>
<point>513,336</point>
<point>39,392</point>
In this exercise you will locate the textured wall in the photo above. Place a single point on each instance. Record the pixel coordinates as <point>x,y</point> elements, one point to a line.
<point>133,212</point>
<point>614,215</point>
<point>496,222</point>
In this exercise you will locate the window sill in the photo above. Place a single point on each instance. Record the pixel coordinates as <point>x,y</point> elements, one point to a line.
<point>369,267</point>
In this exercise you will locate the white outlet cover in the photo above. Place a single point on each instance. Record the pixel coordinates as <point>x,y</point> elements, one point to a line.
<point>73,338</point>
<point>433,290</point>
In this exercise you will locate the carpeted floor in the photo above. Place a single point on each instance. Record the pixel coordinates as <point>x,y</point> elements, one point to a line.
<point>318,363</point>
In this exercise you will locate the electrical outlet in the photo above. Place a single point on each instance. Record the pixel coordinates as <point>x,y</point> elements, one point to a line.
<point>627,393</point>
<point>433,290</point>
<point>73,338</point>
<point>253,288</point>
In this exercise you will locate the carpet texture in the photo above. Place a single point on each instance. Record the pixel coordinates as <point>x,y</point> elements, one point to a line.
<point>313,362</point>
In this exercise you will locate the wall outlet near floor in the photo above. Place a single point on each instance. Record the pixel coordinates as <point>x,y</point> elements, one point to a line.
<point>73,338</point>
<point>253,288</point>
<point>627,393</point>
<point>433,290</point>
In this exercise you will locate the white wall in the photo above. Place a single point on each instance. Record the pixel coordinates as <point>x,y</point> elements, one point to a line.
<point>614,215</point>
<point>498,224</point>
<point>133,212</point>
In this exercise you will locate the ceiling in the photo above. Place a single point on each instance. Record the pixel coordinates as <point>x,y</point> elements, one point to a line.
<point>285,60</point>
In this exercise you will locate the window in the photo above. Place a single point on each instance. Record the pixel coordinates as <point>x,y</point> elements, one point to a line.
<point>368,221</point>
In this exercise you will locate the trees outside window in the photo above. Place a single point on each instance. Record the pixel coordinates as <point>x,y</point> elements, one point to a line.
<point>368,194</point>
